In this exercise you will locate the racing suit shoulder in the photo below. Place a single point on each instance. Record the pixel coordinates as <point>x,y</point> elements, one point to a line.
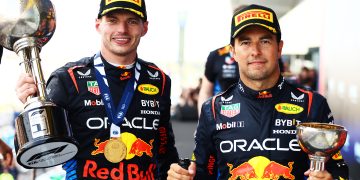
<point>150,65</point>
<point>152,70</point>
<point>223,96</point>
<point>319,110</point>
<point>70,66</point>
<point>209,105</point>
<point>62,81</point>
<point>86,61</point>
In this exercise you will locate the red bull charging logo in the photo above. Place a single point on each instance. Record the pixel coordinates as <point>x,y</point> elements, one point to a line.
<point>139,147</point>
<point>134,146</point>
<point>99,147</point>
<point>261,168</point>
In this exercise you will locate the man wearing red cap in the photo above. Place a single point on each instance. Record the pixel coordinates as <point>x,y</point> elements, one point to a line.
<point>251,127</point>
<point>118,104</point>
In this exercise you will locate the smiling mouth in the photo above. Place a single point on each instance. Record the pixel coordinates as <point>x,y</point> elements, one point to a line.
<point>121,41</point>
<point>256,62</point>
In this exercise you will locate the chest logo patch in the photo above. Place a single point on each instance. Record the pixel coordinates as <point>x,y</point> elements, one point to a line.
<point>148,89</point>
<point>83,75</point>
<point>154,75</point>
<point>93,87</point>
<point>288,108</point>
<point>230,110</point>
<point>297,98</point>
<point>223,99</point>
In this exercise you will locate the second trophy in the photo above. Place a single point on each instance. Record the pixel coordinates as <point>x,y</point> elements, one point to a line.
<point>320,141</point>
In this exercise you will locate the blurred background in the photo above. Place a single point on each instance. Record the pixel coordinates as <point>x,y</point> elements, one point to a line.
<point>320,36</point>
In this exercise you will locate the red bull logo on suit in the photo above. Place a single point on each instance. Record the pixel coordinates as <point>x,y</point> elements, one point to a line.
<point>135,147</point>
<point>261,168</point>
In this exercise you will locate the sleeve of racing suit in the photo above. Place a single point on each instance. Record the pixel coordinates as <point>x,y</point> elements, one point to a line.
<point>209,68</point>
<point>204,147</point>
<point>320,112</point>
<point>167,151</point>
<point>56,90</point>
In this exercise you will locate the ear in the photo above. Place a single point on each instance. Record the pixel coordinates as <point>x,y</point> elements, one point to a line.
<point>232,49</point>
<point>97,24</point>
<point>146,27</point>
<point>281,44</point>
<point>232,52</point>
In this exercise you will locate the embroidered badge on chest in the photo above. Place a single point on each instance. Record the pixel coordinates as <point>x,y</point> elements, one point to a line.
<point>93,87</point>
<point>230,110</point>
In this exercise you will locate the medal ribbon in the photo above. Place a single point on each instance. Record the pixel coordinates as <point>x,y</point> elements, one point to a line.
<point>116,117</point>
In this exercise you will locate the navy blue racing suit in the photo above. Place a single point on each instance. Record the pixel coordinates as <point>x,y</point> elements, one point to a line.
<point>247,134</point>
<point>146,129</point>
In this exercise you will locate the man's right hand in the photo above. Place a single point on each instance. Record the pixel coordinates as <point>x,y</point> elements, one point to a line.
<point>176,172</point>
<point>25,87</point>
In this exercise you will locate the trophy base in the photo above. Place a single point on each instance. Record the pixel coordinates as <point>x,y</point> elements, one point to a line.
<point>43,136</point>
<point>44,153</point>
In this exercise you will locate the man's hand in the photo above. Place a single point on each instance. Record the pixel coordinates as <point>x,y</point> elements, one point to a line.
<point>25,87</point>
<point>317,175</point>
<point>177,172</point>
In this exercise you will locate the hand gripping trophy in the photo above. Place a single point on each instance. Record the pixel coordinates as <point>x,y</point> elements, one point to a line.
<point>320,141</point>
<point>43,134</point>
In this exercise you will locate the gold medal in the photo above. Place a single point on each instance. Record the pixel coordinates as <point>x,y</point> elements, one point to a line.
<point>115,150</point>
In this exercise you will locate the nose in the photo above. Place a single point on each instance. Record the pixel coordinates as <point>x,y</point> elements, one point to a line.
<point>122,27</point>
<point>256,49</point>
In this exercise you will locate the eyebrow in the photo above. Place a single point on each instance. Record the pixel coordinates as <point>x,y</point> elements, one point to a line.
<point>244,37</point>
<point>113,16</point>
<point>110,15</point>
<point>267,36</point>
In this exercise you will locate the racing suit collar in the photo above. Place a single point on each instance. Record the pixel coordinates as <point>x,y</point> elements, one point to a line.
<point>111,66</point>
<point>263,94</point>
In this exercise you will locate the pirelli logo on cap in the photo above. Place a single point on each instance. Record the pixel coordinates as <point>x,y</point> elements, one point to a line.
<point>137,2</point>
<point>254,14</point>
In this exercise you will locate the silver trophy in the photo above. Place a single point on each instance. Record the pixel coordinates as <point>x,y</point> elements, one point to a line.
<point>43,134</point>
<point>320,141</point>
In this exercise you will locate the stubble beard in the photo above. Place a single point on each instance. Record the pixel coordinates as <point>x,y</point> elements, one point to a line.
<point>121,51</point>
<point>260,74</point>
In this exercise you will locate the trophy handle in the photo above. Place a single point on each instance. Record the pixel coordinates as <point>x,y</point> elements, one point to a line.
<point>317,163</point>
<point>30,53</point>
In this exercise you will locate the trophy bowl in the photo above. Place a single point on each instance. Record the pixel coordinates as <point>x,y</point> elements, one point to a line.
<point>320,141</point>
<point>43,134</point>
<point>26,18</point>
